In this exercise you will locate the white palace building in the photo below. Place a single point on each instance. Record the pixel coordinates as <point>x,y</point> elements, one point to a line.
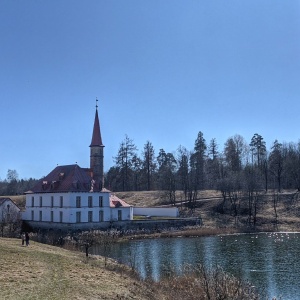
<point>74,198</point>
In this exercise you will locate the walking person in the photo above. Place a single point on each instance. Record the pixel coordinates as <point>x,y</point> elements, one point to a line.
<point>27,238</point>
<point>23,238</point>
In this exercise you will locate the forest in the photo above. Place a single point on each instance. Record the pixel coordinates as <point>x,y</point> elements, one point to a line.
<point>242,166</point>
<point>12,185</point>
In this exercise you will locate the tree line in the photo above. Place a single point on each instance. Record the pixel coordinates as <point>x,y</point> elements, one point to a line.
<point>239,166</point>
<point>12,185</point>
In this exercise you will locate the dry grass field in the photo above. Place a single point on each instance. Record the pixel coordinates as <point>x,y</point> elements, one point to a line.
<point>41,271</point>
<point>287,206</point>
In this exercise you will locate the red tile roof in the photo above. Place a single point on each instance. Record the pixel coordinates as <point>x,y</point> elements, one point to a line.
<point>96,138</point>
<point>114,201</point>
<point>69,178</point>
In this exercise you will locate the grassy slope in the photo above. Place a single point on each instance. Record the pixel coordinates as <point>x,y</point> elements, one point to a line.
<point>46,272</point>
<point>288,209</point>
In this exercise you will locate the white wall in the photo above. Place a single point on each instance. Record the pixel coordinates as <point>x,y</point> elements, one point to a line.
<point>12,213</point>
<point>68,210</point>
<point>126,213</point>
<point>156,211</point>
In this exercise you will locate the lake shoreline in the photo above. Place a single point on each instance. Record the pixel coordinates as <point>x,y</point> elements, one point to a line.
<point>199,231</point>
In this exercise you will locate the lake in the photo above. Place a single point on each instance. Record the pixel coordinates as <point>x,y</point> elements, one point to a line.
<point>270,261</point>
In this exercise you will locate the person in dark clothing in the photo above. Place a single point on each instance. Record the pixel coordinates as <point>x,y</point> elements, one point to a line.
<point>27,238</point>
<point>23,238</point>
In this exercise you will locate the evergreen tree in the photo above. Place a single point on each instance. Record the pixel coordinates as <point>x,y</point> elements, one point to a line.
<point>276,163</point>
<point>148,164</point>
<point>167,174</point>
<point>183,170</point>
<point>197,162</point>
<point>213,164</point>
<point>124,160</point>
<point>258,149</point>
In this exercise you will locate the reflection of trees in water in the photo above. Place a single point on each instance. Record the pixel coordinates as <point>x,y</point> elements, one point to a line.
<point>263,259</point>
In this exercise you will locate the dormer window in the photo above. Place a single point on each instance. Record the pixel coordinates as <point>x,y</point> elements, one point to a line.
<point>87,185</point>
<point>44,184</point>
<point>54,184</point>
<point>61,176</point>
<point>75,184</point>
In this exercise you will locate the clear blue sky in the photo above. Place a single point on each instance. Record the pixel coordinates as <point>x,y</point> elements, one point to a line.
<point>162,71</point>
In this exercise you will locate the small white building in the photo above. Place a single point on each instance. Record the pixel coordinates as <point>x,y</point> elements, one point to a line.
<point>9,211</point>
<point>71,197</point>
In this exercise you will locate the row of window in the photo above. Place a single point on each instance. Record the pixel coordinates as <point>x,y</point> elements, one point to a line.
<point>61,201</point>
<point>78,216</point>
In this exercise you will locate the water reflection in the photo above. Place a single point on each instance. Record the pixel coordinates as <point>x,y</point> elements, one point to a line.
<point>269,261</point>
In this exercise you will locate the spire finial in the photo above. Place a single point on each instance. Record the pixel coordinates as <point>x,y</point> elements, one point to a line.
<point>96,103</point>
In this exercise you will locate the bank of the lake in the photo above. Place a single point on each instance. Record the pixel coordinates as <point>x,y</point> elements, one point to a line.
<point>269,261</point>
<point>274,211</point>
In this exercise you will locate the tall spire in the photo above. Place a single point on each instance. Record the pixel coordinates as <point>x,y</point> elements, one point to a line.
<point>96,137</point>
<point>96,152</point>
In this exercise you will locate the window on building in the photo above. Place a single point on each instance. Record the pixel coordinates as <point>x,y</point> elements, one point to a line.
<point>41,216</point>
<point>90,216</point>
<point>60,216</point>
<point>78,217</point>
<point>100,201</point>
<point>52,201</point>
<point>101,216</point>
<point>78,201</point>
<point>90,201</point>
<point>119,215</point>
<point>32,215</point>
<point>8,214</point>
<point>41,201</point>
<point>51,216</point>
<point>32,201</point>
<point>61,201</point>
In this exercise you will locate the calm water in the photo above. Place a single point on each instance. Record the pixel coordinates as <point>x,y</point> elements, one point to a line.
<point>269,261</point>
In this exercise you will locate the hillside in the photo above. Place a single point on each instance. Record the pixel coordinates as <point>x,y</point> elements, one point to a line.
<point>208,208</point>
<point>46,272</point>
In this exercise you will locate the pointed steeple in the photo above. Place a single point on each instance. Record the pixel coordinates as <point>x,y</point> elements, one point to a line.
<point>97,153</point>
<point>96,137</point>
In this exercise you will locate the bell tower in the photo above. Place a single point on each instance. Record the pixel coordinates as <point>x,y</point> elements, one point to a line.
<point>97,152</point>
